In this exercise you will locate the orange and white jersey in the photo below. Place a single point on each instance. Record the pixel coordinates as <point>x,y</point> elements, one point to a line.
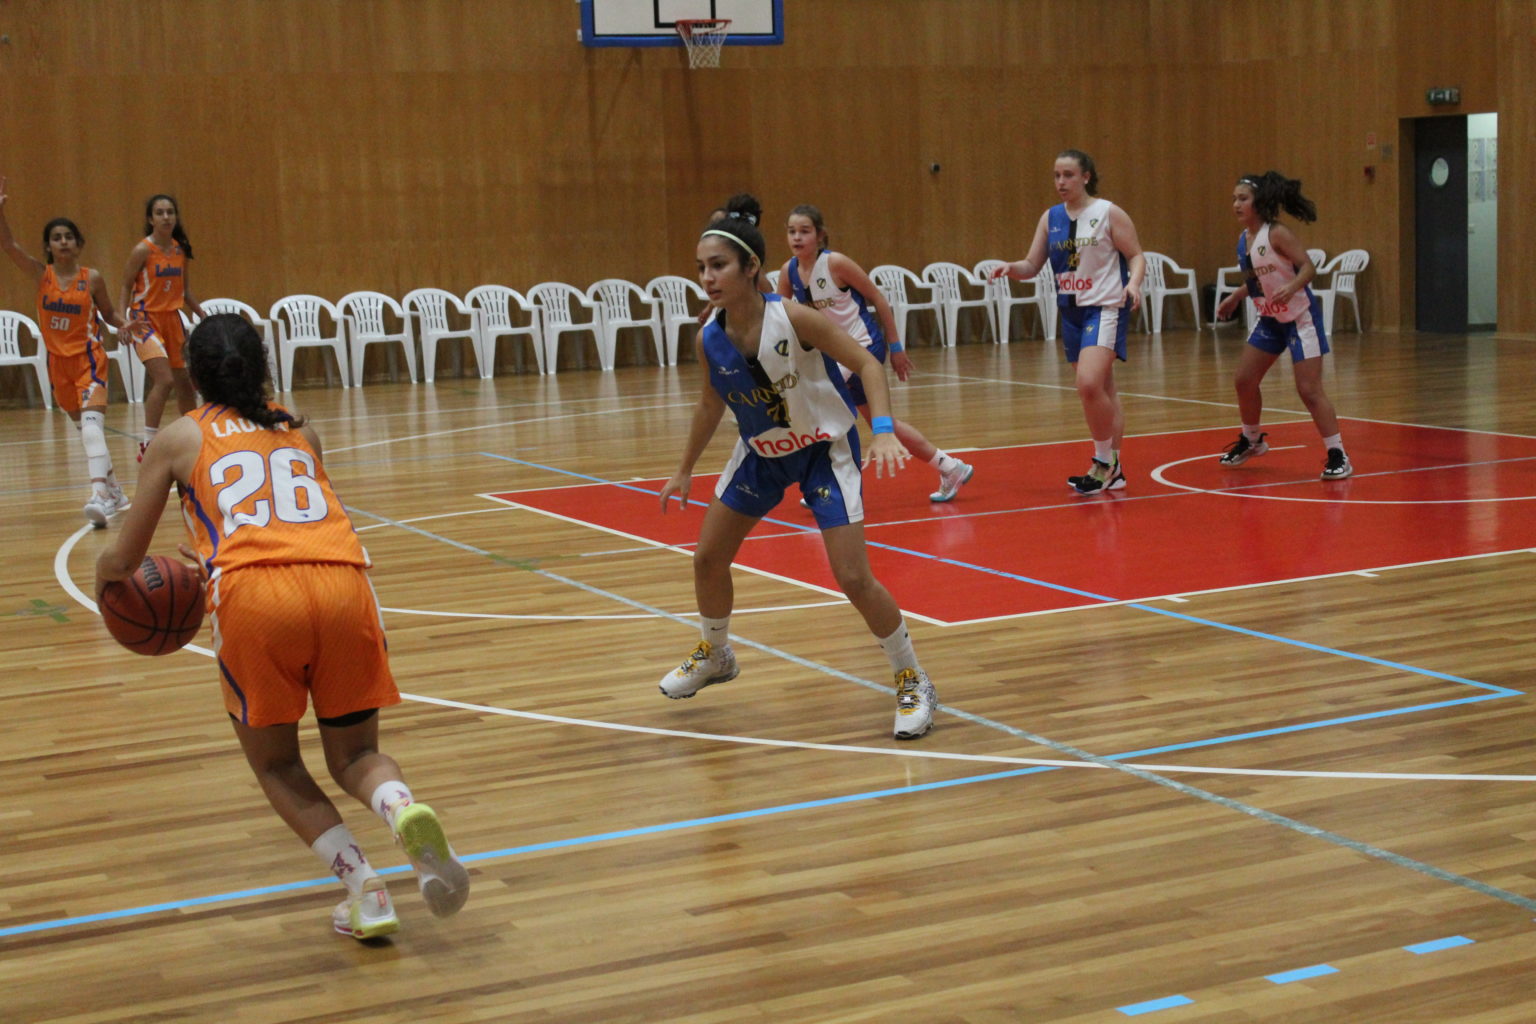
<point>161,284</point>
<point>66,313</point>
<point>259,496</point>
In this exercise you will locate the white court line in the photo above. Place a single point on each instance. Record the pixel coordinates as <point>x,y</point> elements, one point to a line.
<point>940,755</point>
<point>594,618</point>
<point>61,573</point>
<point>660,546</point>
<point>1246,492</point>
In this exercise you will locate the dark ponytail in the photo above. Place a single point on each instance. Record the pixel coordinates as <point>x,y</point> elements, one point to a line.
<point>228,365</point>
<point>1273,191</point>
<point>178,232</point>
<point>739,230</point>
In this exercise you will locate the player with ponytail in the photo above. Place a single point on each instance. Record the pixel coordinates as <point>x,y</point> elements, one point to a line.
<point>1278,272</point>
<point>294,616</point>
<point>70,297</point>
<point>767,360</point>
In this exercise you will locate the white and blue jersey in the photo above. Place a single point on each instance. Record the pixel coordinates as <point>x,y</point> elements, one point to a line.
<point>795,419</point>
<point>845,307</point>
<point>1091,274</point>
<point>1294,324</point>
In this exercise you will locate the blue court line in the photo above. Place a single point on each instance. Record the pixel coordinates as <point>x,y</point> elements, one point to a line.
<point>1063,588</point>
<point>1302,974</point>
<point>1436,945</point>
<point>513,851</point>
<point>1165,1003</point>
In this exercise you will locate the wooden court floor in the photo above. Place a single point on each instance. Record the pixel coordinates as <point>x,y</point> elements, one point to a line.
<point>1348,836</point>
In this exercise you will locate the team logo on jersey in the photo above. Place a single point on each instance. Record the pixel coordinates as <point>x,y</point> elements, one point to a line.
<point>1263,249</point>
<point>781,348</point>
<point>1093,223</point>
<point>79,286</point>
<point>821,282</point>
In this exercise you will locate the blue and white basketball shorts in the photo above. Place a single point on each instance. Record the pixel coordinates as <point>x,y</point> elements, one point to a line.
<point>1304,336</point>
<point>827,472</point>
<point>1093,326</point>
<point>856,386</point>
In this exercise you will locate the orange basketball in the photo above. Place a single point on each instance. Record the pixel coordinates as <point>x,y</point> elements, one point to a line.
<point>158,609</point>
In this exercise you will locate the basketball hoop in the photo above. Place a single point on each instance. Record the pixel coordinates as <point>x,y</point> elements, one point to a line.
<point>703,37</point>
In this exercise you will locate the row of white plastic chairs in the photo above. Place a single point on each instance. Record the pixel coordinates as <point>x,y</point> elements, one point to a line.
<point>549,311</point>
<point>488,314</point>
<point>950,288</point>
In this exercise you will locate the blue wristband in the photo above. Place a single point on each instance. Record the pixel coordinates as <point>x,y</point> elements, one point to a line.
<point>895,346</point>
<point>882,425</point>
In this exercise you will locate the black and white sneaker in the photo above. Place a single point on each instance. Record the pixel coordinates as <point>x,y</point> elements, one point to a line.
<point>1241,450</point>
<point>1338,466</point>
<point>1100,477</point>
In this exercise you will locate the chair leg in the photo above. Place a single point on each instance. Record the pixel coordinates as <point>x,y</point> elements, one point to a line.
<point>428,357</point>
<point>357,362</point>
<point>287,361</point>
<point>339,347</point>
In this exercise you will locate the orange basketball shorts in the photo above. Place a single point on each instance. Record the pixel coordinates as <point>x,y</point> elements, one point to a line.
<point>168,338</point>
<point>79,382</point>
<point>286,635</point>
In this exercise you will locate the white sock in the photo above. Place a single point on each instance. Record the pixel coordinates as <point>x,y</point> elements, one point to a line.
<point>93,435</point>
<point>339,852</point>
<point>390,799</point>
<point>1334,441</point>
<point>1252,432</point>
<point>150,432</point>
<point>1104,451</point>
<point>943,461</point>
<point>716,631</point>
<point>898,648</point>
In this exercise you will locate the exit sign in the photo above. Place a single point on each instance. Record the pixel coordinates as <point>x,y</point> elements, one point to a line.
<point>1436,97</point>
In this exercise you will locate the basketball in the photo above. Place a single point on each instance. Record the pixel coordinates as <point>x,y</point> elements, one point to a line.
<point>157,610</point>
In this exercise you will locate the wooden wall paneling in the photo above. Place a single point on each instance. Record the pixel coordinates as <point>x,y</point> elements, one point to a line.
<point>1516,41</point>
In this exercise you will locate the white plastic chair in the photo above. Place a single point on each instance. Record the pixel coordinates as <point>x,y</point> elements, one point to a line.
<point>298,326</point>
<point>264,326</point>
<point>1344,267</point>
<point>615,300</point>
<point>676,313</point>
<point>896,284</point>
<point>1226,286</point>
<point>947,280</point>
<point>495,303</point>
<point>1157,287</point>
<point>431,307</point>
<point>11,327</point>
<point>128,366</point>
<point>555,301</point>
<point>1000,291</point>
<point>366,326</point>
<point>1318,258</point>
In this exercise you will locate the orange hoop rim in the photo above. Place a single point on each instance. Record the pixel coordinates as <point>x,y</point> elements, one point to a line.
<point>687,26</point>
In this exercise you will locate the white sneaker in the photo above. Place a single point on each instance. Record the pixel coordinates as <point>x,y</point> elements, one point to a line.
<point>117,502</point>
<point>704,667</point>
<point>97,509</point>
<point>915,701</point>
<point>444,881</point>
<point>368,915</point>
<point>951,482</point>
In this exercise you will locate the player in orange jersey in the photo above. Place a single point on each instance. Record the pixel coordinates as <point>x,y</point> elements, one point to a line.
<point>69,296</point>
<point>155,289</point>
<point>294,617</point>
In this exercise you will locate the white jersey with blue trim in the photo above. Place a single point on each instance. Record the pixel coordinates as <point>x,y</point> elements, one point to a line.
<point>842,305</point>
<point>1267,272</point>
<point>1089,270</point>
<point>784,399</point>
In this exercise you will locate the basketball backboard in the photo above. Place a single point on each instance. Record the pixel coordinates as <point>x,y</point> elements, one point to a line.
<point>654,22</point>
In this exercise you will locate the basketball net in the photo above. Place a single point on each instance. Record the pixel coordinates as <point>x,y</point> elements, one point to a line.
<point>703,38</point>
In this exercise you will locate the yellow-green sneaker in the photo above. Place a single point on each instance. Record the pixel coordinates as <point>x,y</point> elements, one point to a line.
<point>444,881</point>
<point>368,915</point>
